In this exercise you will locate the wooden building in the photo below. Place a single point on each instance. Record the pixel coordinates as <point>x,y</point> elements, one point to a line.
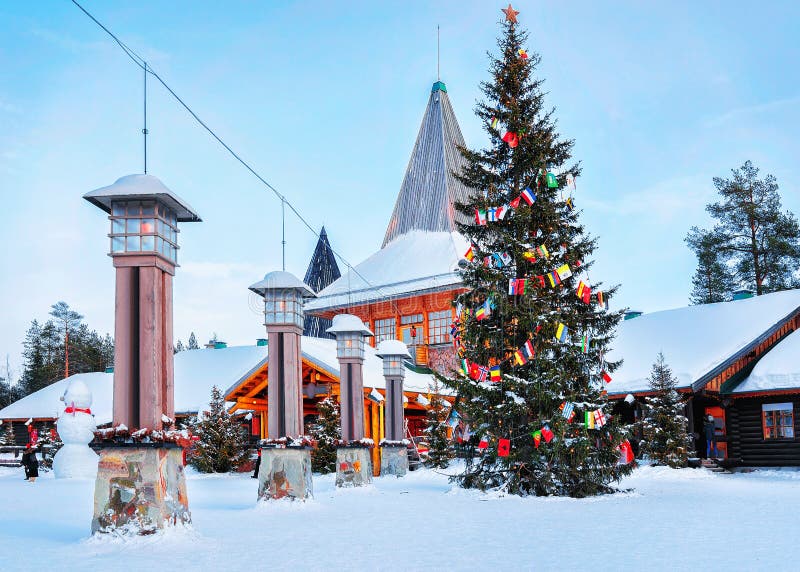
<point>723,356</point>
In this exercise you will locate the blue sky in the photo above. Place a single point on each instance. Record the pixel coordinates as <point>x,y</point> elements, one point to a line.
<point>325,100</point>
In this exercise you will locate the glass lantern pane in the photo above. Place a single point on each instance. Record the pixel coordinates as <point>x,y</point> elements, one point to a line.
<point>148,209</point>
<point>148,226</point>
<point>149,242</point>
<point>117,209</point>
<point>133,209</point>
<point>133,225</point>
<point>118,244</point>
<point>132,244</point>
<point>117,226</point>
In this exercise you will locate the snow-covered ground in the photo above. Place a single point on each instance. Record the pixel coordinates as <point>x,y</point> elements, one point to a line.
<point>684,520</point>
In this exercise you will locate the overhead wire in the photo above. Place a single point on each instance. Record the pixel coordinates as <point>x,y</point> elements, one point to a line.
<point>139,61</point>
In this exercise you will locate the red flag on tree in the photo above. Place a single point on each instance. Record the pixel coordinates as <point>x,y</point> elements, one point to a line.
<point>503,447</point>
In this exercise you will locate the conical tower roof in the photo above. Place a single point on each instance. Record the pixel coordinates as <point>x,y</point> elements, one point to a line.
<point>322,272</point>
<point>429,188</point>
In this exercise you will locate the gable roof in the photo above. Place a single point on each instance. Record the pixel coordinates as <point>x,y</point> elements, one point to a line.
<point>417,261</point>
<point>698,342</point>
<point>429,188</point>
<point>777,370</point>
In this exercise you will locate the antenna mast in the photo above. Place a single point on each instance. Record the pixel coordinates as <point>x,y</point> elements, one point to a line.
<point>144,130</point>
<point>438,76</point>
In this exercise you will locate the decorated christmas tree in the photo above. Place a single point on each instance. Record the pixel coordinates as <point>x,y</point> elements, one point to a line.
<point>532,329</point>
<point>222,444</point>
<point>49,444</point>
<point>665,440</point>
<point>326,432</point>
<point>8,434</point>
<point>440,447</point>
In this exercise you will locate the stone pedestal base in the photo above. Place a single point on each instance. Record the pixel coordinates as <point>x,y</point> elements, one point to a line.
<point>394,460</point>
<point>139,489</point>
<point>285,473</point>
<point>353,466</point>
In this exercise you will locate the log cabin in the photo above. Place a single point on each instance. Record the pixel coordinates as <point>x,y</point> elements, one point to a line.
<point>733,360</point>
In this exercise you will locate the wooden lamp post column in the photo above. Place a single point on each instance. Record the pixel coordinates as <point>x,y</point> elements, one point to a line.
<point>144,217</point>
<point>353,460</point>
<point>394,456</point>
<point>285,470</point>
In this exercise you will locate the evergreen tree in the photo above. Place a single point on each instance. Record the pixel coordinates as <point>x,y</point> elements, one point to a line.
<point>179,347</point>
<point>8,437</point>
<point>761,242</point>
<point>440,448</point>
<point>665,440</point>
<point>223,445</point>
<point>573,458</point>
<point>326,431</point>
<point>66,320</point>
<point>712,281</point>
<point>192,342</point>
<point>49,444</point>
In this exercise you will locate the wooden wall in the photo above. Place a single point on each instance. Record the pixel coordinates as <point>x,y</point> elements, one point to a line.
<point>746,436</point>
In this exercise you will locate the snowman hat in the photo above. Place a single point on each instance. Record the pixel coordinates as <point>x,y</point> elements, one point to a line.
<point>29,421</point>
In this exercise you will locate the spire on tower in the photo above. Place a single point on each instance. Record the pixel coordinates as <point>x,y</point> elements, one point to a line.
<point>322,271</point>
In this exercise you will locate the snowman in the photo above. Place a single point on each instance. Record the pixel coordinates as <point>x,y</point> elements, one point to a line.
<point>76,428</point>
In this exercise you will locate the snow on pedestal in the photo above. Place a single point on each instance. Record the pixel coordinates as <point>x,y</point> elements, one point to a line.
<point>75,460</point>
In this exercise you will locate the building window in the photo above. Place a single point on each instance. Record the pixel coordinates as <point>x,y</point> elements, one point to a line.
<point>412,319</point>
<point>439,327</point>
<point>778,420</point>
<point>385,330</point>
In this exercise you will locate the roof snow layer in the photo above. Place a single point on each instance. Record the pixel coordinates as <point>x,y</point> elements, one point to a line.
<point>695,340</point>
<point>416,261</point>
<point>778,369</point>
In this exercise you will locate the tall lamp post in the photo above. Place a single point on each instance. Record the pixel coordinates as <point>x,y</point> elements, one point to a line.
<point>285,470</point>
<point>394,456</point>
<point>144,216</point>
<point>353,460</point>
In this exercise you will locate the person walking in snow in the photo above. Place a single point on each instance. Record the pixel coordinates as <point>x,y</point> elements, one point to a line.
<point>711,436</point>
<point>29,460</point>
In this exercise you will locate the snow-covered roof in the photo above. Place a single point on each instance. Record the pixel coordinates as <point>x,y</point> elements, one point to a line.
<point>141,187</point>
<point>415,261</point>
<point>348,323</point>
<point>196,372</point>
<point>778,369</point>
<point>392,348</point>
<point>695,340</point>
<point>280,279</point>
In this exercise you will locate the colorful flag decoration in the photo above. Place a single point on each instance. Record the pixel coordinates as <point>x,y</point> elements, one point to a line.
<point>503,447</point>
<point>522,54</point>
<point>494,373</point>
<point>582,286</point>
<point>495,214</point>
<point>585,341</point>
<point>483,373</point>
<point>481,314</point>
<point>511,138</point>
<point>495,123</point>
<point>537,438</point>
<point>528,196</point>
<point>552,180</point>
<point>599,418</point>
<point>570,181</point>
<point>567,410</point>
<point>519,358</point>
<point>515,203</point>
<point>452,420</point>
<point>483,443</point>
<point>473,371</point>
<point>470,254</point>
<point>601,299</point>
<point>542,251</point>
<point>547,434</point>
<point>516,286</point>
<point>529,255</point>
<point>465,367</point>
<point>554,278</point>
<point>625,453</point>
<point>605,377</point>
<point>506,258</point>
<point>540,280</point>
<point>563,271</point>
<point>480,217</point>
<point>527,350</point>
<point>570,204</point>
<point>589,419</point>
<point>561,332</point>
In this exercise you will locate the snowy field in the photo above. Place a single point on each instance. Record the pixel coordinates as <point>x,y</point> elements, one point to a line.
<point>670,520</point>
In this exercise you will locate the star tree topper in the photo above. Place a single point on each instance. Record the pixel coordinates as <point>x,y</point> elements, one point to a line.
<point>511,14</point>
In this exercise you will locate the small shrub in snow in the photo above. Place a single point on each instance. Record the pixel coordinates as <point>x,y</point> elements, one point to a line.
<point>326,432</point>
<point>222,444</point>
